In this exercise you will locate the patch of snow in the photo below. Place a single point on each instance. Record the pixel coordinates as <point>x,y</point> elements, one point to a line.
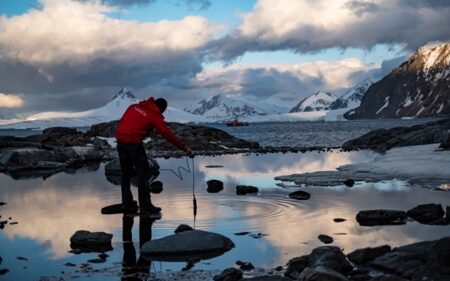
<point>440,108</point>
<point>386,104</point>
<point>420,111</point>
<point>111,141</point>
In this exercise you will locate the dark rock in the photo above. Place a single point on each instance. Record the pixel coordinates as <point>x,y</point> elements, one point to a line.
<point>447,214</point>
<point>321,274</point>
<point>91,241</point>
<point>349,182</point>
<point>70,264</point>
<point>267,278</point>
<point>389,277</point>
<point>426,213</point>
<point>22,258</point>
<point>4,271</point>
<point>229,274</point>
<point>279,268</point>
<point>381,217</point>
<point>182,228</point>
<point>329,257</point>
<point>295,266</point>
<point>440,253</point>
<point>325,239</point>
<point>118,209</point>
<point>156,187</point>
<point>244,189</point>
<point>59,131</point>
<point>214,186</point>
<point>103,256</point>
<point>383,139</point>
<point>106,130</point>
<point>242,233</point>
<point>403,263</point>
<point>246,266</point>
<point>445,143</point>
<point>365,255</point>
<point>339,220</point>
<point>113,167</point>
<point>2,203</point>
<point>1,260</point>
<point>96,261</point>
<point>300,195</point>
<point>194,242</point>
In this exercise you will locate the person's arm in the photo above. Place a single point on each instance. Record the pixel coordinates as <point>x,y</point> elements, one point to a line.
<point>167,133</point>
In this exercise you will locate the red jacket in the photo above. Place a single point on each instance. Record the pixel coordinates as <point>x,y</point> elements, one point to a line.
<point>139,119</point>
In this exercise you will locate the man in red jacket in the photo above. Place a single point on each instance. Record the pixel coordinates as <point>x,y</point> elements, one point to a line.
<point>134,126</point>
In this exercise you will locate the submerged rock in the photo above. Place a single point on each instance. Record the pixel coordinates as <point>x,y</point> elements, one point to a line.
<point>365,255</point>
<point>187,244</point>
<point>245,189</point>
<point>325,239</point>
<point>427,213</point>
<point>300,195</point>
<point>91,241</point>
<point>214,186</point>
<point>246,266</point>
<point>156,187</point>
<point>349,182</point>
<point>381,217</point>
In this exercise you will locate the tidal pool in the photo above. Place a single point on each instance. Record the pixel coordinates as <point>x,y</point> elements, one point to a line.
<point>48,211</point>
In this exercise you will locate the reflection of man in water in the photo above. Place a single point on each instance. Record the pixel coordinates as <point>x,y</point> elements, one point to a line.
<point>134,126</point>
<point>130,267</point>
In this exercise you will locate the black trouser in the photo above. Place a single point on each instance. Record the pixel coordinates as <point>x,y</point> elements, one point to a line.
<point>133,155</point>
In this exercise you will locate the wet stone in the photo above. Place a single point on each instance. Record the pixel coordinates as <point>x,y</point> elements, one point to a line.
<point>246,266</point>
<point>229,274</point>
<point>381,217</point>
<point>365,255</point>
<point>325,239</point>
<point>91,241</point>
<point>300,195</point>
<point>426,213</point>
<point>2,203</point>
<point>214,186</point>
<point>242,233</point>
<point>267,278</point>
<point>339,220</point>
<point>349,182</point>
<point>96,260</point>
<point>156,187</point>
<point>245,189</point>
<point>182,228</point>
<point>330,257</point>
<point>4,271</point>
<point>322,274</point>
<point>295,266</point>
<point>70,264</point>
<point>103,256</point>
<point>22,258</point>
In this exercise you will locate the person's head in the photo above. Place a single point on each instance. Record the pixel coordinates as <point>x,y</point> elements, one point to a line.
<point>161,104</point>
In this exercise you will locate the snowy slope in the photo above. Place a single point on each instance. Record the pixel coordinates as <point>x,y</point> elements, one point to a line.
<point>317,102</point>
<point>417,88</point>
<point>113,110</point>
<point>352,98</point>
<point>230,106</point>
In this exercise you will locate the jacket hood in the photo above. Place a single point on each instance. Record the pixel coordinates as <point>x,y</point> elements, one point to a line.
<point>150,105</point>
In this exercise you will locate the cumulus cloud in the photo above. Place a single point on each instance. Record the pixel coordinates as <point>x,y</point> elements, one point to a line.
<point>201,4</point>
<point>282,84</point>
<point>70,45</point>
<point>308,26</point>
<point>10,101</point>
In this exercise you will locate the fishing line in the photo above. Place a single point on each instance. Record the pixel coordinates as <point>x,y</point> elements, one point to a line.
<point>179,175</point>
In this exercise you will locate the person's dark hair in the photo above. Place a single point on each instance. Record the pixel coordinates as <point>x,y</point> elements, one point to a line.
<point>162,104</point>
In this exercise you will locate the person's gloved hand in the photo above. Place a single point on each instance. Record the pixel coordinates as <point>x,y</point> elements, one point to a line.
<point>188,150</point>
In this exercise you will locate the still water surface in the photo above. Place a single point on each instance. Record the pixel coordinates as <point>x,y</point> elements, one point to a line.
<point>49,211</point>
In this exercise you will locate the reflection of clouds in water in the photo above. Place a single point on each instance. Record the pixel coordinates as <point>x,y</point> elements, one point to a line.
<point>52,214</point>
<point>264,167</point>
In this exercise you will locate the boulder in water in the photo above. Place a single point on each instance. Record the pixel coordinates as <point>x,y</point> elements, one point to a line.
<point>187,244</point>
<point>214,186</point>
<point>88,241</point>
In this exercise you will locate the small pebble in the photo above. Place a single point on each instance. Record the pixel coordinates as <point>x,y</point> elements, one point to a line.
<point>22,258</point>
<point>242,233</point>
<point>339,220</point>
<point>69,264</point>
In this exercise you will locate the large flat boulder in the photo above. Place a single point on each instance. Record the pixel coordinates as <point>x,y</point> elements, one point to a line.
<point>88,241</point>
<point>381,217</point>
<point>187,244</point>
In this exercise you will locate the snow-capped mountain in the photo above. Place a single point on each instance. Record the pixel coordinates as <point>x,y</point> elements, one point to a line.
<point>113,110</point>
<point>223,106</point>
<point>420,87</point>
<point>317,102</point>
<point>352,98</point>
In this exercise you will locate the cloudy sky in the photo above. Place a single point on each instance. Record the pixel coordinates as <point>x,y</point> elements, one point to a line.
<point>76,54</point>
